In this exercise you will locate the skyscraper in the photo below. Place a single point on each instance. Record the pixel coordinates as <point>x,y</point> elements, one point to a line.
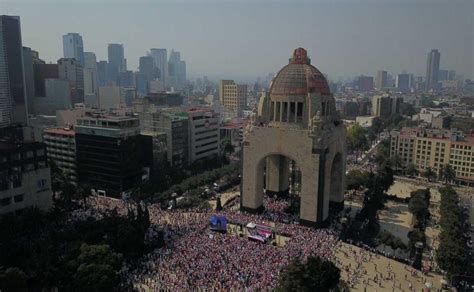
<point>90,74</point>
<point>403,82</point>
<point>443,75</point>
<point>29,78</point>
<point>70,69</point>
<point>73,47</point>
<point>182,73</point>
<point>381,81</point>
<point>13,105</point>
<point>117,63</point>
<point>176,70</point>
<point>365,83</point>
<point>160,59</point>
<point>432,70</point>
<point>146,66</point>
<point>102,72</point>
<point>233,97</point>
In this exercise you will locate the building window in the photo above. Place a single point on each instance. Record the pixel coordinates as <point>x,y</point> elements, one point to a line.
<point>18,198</point>
<point>42,184</point>
<point>5,201</point>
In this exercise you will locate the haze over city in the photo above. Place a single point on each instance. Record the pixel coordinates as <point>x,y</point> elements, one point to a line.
<point>237,145</point>
<point>246,39</point>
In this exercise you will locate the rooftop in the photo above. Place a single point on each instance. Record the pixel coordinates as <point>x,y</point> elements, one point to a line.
<point>61,131</point>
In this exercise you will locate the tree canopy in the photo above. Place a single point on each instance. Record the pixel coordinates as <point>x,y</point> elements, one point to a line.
<point>316,274</point>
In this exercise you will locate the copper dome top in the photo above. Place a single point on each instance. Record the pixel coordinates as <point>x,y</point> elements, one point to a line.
<point>299,77</point>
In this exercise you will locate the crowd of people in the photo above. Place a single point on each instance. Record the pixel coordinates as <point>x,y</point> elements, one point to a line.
<point>194,257</point>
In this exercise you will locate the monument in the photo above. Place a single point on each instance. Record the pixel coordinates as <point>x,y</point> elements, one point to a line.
<point>296,122</point>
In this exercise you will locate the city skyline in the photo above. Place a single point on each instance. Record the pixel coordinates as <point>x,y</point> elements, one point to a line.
<point>381,35</point>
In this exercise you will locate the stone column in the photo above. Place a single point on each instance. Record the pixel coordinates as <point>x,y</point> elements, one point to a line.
<point>277,175</point>
<point>288,112</point>
<point>274,110</point>
<point>252,183</point>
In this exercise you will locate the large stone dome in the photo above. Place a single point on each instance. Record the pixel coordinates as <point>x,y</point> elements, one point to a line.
<point>299,77</point>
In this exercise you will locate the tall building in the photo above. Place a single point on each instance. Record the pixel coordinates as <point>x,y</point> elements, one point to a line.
<point>57,97</point>
<point>102,72</point>
<point>146,67</point>
<point>176,129</point>
<point>141,83</point>
<point>182,73</point>
<point>25,178</point>
<point>61,148</point>
<point>108,154</point>
<point>41,73</point>
<point>110,97</point>
<point>91,79</point>
<point>160,59</point>
<point>443,75</point>
<point>13,103</point>
<point>381,80</point>
<point>176,70</point>
<point>233,97</point>
<point>452,75</point>
<point>432,70</point>
<point>28,60</point>
<point>117,63</point>
<point>126,79</point>
<point>203,133</point>
<point>73,47</point>
<point>403,82</point>
<point>365,83</point>
<point>71,70</point>
<point>381,106</point>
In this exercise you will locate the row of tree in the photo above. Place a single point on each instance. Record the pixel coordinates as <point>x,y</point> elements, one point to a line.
<point>418,205</point>
<point>365,225</point>
<point>452,255</point>
<point>359,138</point>
<point>52,250</point>
<point>193,188</point>
<point>316,274</point>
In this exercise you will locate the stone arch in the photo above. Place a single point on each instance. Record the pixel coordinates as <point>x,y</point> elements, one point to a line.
<point>336,185</point>
<point>276,184</point>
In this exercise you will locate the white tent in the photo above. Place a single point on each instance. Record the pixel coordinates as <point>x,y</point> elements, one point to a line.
<point>251,225</point>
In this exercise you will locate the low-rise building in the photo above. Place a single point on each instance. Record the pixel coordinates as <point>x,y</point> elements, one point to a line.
<point>434,148</point>
<point>25,177</point>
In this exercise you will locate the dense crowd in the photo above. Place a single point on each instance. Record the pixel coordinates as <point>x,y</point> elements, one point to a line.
<point>196,258</point>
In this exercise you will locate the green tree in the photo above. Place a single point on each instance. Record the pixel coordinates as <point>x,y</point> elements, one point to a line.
<point>356,179</point>
<point>83,192</point>
<point>414,236</point>
<point>396,161</point>
<point>418,206</point>
<point>448,173</point>
<point>13,280</point>
<point>96,268</point>
<point>429,174</point>
<point>357,139</point>
<point>317,274</point>
<point>452,250</point>
<point>227,147</point>
<point>382,155</point>
<point>411,170</point>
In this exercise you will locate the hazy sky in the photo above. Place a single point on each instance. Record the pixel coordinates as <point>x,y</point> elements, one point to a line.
<point>245,39</point>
